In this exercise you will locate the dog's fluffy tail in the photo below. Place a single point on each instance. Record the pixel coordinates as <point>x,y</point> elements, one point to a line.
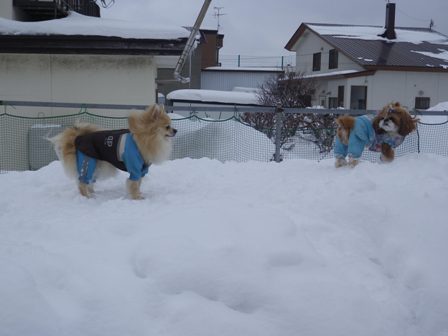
<point>64,145</point>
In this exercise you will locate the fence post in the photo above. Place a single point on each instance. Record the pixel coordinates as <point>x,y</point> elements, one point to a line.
<point>278,132</point>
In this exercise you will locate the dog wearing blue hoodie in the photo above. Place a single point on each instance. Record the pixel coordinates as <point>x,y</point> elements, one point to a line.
<point>88,153</point>
<point>381,133</point>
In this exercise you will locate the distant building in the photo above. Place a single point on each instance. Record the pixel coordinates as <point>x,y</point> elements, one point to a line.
<point>365,67</point>
<point>38,10</point>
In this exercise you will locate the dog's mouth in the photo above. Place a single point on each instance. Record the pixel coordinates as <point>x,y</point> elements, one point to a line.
<point>171,132</point>
<point>388,125</point>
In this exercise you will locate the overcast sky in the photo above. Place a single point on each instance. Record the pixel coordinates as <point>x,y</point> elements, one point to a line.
<point>262,28</point>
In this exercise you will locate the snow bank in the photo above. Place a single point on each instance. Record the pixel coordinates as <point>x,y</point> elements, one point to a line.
<point>262,249</point>
<point>215,96</point>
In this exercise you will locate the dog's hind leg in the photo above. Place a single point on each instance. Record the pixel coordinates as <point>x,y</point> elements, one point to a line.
<point>133,188</point>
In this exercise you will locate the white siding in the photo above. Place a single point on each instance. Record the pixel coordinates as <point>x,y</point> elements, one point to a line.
<point>387,86</point>
<point>6,9</point>
<point>310,44</point>
<point>78,79</point>
<point>227,80</point>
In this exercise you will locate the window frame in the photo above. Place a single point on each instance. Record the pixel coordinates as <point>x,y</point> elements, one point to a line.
<point>317,61</point>
<point>422,103</point>
<point>333,59</point>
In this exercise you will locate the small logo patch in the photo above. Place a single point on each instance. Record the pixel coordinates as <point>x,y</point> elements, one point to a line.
<point>109,141</point>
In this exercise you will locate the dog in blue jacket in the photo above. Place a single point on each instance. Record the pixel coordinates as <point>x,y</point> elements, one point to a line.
<point>89,153</point>
<point>381,133</point>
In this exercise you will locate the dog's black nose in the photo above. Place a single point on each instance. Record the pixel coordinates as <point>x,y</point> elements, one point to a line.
<point>174,131</point>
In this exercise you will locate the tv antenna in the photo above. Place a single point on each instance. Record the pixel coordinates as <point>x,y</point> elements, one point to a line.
<point>217,15</point>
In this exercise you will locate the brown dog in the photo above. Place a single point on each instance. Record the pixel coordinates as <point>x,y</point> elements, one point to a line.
<point>383,133</point>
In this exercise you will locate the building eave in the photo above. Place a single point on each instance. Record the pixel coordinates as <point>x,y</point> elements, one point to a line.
<point>296,36</point>
<point>89,44</point>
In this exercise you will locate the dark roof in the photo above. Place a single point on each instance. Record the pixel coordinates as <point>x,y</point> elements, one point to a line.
<point>89,44</point>
<point>80,34</point>
<point>414,48</point>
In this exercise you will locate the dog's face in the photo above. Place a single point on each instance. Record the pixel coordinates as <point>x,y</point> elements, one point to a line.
<point>154,122</point>
<point>152,132</point>
<point>393,118</point>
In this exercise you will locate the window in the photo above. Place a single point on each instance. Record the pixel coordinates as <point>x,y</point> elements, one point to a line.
<point>422,103</point>
<point>333,59</point>
<point>332,102</point>
<point>341,96</point>
<point>316,61</point>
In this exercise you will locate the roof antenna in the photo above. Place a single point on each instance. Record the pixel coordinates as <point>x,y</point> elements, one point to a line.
<point>217,15</point>
<point>431,24</point>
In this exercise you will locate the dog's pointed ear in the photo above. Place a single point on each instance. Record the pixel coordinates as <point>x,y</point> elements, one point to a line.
<point>152,113</point>
<point>134,122</point>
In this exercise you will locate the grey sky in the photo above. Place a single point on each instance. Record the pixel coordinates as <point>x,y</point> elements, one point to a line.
<point>258,27</point>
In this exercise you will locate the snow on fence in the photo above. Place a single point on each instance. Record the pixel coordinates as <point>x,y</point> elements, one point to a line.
<point>216,132</point>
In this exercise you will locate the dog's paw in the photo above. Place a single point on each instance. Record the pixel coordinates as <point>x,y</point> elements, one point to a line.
<point>352,162</point>
<point>340,162</point>
<point>85,190</point>
<point>137,197</point>
<point>385,159</point>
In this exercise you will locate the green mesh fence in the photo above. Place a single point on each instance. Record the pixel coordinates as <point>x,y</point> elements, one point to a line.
<point>24,144</point>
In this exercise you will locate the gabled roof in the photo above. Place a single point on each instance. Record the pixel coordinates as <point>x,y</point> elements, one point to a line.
<point>79,34</point>
<point>420,49</point>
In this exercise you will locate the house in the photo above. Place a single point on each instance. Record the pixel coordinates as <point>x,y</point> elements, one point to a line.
<point>38,10</point>
<point>76,59</point>
<point>84,59</point>
<point>227,78</point>
<point>365,67</point>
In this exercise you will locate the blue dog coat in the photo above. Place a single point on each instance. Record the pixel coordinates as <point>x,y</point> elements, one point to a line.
<point>117,147</point>
<point>363,135</point>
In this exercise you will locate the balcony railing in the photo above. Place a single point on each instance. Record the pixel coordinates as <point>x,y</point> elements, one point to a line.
<point>51,9</point>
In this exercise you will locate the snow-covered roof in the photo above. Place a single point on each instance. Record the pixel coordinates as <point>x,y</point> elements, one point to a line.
<point>413,48</point>
<point>214,96</point>
<point>415,36</point>
<point>77,24</point>
<point>333,74</point>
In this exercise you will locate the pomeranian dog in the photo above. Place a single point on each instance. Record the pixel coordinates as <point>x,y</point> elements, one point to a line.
<point>88,153</point>
<point>381,133</point>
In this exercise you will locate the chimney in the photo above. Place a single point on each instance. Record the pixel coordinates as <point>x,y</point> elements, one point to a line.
<point>389,33</point>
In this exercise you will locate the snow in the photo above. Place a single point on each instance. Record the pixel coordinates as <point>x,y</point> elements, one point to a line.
<point>215,96</point>
<point>371,33</point>
<point>77,24</point>
<point>226,139</point>
<point>333,73</point>
<point>439,119</point>
<point>244,69</point>
<point>443,55</point>
<point>225,249</point>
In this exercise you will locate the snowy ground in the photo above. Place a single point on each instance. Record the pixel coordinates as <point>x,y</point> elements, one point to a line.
<point>262,249</point>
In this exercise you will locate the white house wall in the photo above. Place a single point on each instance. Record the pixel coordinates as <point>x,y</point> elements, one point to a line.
<point>72,79</point>
<point>77,79</point>
<point>6,9</point>
<point>404,87</point>
<point>310,44</point>
<point>227,80</point>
